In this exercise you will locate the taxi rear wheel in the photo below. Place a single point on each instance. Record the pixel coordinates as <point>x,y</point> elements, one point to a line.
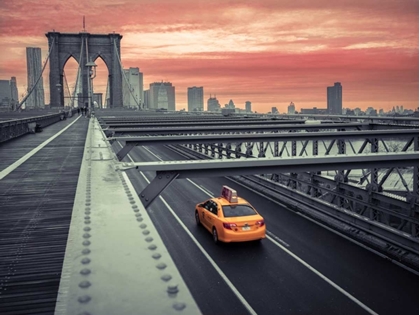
<point>215,236</point>
<point>197,218</point>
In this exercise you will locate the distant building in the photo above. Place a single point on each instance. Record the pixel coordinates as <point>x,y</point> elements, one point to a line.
<point>146,98</point>
<point>313,111</point>
<point>162,96</point>
<point>9,98</point>
<point>34,69</point>
<point>230,105</point>
<point>248,107</point>
<point>213,104</point>
<point>133,88</point>
<point>274,110</point>
<point>291,108</point>
<point>195,99</point>
<point>335,99</point>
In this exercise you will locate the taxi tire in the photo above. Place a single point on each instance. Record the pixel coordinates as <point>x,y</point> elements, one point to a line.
<point>215,236</point>
<point>197,218</point>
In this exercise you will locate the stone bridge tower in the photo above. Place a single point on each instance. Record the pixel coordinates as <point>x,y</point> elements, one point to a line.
<point>84,47</point>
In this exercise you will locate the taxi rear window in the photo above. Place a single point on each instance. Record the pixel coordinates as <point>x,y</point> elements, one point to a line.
<point>237,211</point>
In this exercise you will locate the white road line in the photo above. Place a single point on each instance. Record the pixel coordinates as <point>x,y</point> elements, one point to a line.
<point>23,159</point>
<point>319,274</point>
<point>277,238</point>
<point>351,297</point>
<point>155,155</point>
<point>203,251</point>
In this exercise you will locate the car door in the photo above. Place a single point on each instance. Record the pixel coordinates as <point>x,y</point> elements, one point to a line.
<point>204,215</point>
<point>212,215</point>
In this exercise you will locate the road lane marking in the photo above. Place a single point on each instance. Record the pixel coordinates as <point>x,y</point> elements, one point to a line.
<point>277,243</point>
<point>277,238</point>
<point>24,158</point>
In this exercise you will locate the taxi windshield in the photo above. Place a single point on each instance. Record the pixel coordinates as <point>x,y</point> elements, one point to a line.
<point>237,211</point>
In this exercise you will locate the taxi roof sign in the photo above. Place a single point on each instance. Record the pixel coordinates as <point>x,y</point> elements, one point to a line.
<point>229,194</point>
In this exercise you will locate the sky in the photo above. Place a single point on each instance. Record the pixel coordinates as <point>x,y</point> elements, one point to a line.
<point>269,52</point>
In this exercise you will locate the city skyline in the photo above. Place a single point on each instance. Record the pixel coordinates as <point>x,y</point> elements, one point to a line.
<point>268,52</point>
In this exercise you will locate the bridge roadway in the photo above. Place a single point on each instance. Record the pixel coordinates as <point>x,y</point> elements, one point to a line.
<point>300,268</point>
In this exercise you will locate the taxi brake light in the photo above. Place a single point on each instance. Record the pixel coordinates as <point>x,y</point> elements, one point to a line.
<point>229,226</point>
<point>260,223</point>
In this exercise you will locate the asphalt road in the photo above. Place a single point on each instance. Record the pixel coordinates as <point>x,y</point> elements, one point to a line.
<point>301,268</point>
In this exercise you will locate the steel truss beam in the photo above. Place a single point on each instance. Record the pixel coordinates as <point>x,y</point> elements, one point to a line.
<point>214,168</point>
<point>241,128</point>
<point>131,142</point>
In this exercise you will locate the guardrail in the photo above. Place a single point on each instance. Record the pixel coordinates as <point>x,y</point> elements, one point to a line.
<point>11,129</point>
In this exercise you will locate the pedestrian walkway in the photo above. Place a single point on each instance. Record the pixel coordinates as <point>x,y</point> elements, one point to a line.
<point>36,201</point>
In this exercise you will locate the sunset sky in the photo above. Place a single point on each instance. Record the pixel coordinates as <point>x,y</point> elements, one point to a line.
<point>269,52</point>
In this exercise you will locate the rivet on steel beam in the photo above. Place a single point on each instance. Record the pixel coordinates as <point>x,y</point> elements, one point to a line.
<point>87,217</point>
<point>172,289</point>
<point>147,199</point>
<point>85,261</point>
<point>136,210</point>
<point>156,256</point>
<point>146,232</point>
<point>86,243</point>
<point>86,235</point>
<point>87,229</point>
<point>86,284</point>
<point>87,212</point>
<point>87,222</point>
<point>87,209</point>
<point>86,251</point>
<point>179,306</point>
<point>148,239</point>
<point>87,204</point>
<point>84,313</point>
<point>143,226</point>
<point>166,277</point>
<point>84,299</point>
<point>87,199</point>
<point>138,214</point>
<point>85,271</point>
<point>161,266</point>
<point>152,247</point>
<point>139,219</point>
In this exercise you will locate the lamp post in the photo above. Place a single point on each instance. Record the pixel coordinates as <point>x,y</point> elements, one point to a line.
<point>91,75</point>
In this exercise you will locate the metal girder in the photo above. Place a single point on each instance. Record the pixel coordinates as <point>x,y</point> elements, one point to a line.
<point>233,128</point>
<point>214,168</point>
<point>130,142</point>
<point>370,118</point>
<point>157,185</point>
<point>155,124</point>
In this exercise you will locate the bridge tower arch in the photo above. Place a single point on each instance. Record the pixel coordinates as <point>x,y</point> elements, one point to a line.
<point>84,47</point>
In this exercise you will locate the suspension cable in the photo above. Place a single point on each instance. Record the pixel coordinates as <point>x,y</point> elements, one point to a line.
<point>76,87</point>
<point>67,85</point>
<point>39,77</point>
<point>125,77</point>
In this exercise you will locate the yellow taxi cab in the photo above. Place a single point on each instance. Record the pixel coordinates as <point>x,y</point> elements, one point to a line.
<point>230,218</point>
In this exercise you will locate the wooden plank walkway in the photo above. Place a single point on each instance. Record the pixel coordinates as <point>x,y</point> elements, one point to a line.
<point>36,201</point>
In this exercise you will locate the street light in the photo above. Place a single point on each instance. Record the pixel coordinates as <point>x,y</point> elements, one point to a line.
<point>91,75</point>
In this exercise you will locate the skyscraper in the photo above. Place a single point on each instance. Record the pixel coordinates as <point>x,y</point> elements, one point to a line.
<point>162,94</point>
<point>248,106</point>
<point>34,67</point>
<point>9,97</point>
<point>213,104</point>
<point>291,108</point>
<point>195,99</point>
<point>334,99</point>
<point>133,88</point>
